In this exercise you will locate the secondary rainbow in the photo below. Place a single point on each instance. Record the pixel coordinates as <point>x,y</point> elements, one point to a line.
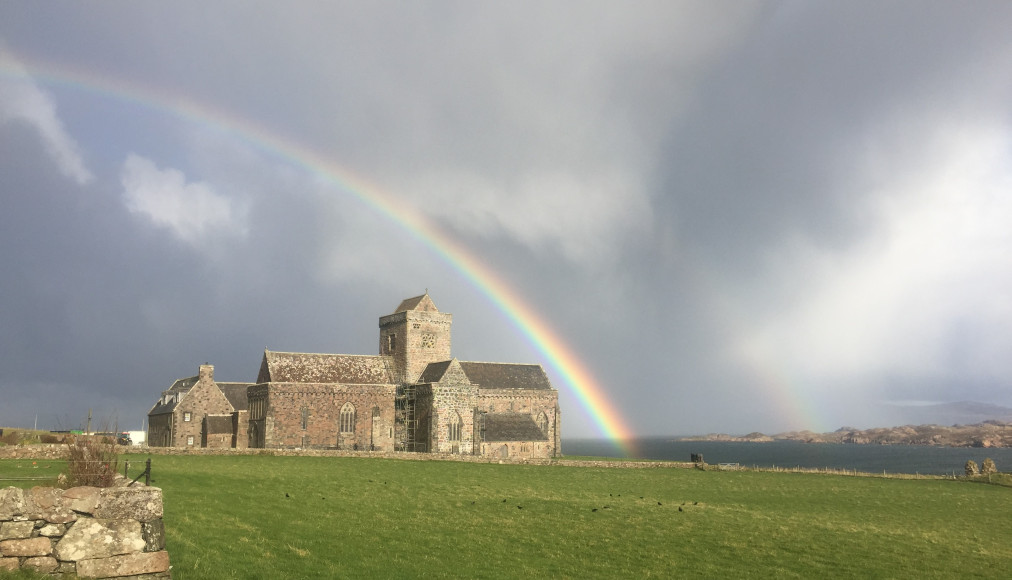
<point>577,378</point>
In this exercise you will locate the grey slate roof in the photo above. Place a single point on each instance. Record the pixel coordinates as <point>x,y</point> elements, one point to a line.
<point>218,424</point>
<point>512,427</point>
<point>294,367</point>
<point>179,386</point>
<point>506,375</point>
<point>160,409</point>
<point>236,395</point>
<point>434,372</point>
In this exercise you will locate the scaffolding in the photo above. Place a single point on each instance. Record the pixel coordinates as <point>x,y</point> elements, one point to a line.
<point>407,417</point>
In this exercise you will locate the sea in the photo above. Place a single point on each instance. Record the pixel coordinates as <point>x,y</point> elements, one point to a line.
<point>911,459</point>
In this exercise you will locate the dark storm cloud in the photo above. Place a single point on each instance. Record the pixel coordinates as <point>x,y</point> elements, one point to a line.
<point>721,207</point>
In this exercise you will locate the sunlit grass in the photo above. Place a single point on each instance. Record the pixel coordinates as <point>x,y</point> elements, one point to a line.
<point>318,517</point>
<point>306,517</point>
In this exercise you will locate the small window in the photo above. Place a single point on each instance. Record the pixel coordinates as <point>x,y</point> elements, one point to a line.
<point>186,416</point>
<point>189,439</point>
<point>391,343</point>
<point>305,417</point>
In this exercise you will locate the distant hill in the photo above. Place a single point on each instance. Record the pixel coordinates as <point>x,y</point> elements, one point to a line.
<point>961,413</point>
<point>962,424</point>
<point>988,434</point>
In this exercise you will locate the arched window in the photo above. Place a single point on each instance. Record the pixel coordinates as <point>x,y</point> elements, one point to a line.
<point>543,422</point>
<point>348,418</point>
<point>454,427</point>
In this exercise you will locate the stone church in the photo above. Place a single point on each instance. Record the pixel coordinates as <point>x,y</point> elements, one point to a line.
<point>412,396</point>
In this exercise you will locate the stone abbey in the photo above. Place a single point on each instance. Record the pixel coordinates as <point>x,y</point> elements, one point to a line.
<point>412,396</point>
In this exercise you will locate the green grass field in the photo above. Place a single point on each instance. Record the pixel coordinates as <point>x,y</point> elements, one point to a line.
<point>307,517</point>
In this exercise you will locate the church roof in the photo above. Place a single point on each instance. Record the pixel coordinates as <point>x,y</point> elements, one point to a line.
<point>236,395</point>
<point>218,423</point>
<point>434,372</point>
<point>512,427</point>
<point>506,375</point>
<point>423,303</point>
<point>295,367</point>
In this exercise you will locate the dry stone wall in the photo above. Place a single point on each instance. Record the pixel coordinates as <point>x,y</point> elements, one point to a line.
<point>114,532</point>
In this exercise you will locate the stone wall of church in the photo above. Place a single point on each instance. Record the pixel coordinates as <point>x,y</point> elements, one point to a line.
<point>240,425</point>
<point>414,339</point>
<point>452,403</point>
<point>532,401</point>
<point>516,449</point>
<point>308,415</point>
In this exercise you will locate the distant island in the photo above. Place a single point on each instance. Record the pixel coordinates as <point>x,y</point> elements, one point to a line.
<point>990,433</point>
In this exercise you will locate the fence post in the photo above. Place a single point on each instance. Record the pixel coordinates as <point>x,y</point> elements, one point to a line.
<point>147,473</point>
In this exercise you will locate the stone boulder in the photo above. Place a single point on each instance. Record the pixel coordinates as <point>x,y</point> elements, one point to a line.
<point>143,504</point>
<point>127,565</point>
<point>100,538</point>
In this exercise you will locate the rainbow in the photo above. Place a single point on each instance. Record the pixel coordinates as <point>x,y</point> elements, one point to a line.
<point>576,377</point>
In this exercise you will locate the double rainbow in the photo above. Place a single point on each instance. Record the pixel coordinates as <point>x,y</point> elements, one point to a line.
<point>576,377</point>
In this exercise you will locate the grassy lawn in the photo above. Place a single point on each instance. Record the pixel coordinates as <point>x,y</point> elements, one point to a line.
<point>307,517</point>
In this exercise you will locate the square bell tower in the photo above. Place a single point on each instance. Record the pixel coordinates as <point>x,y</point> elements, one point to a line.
<point>416,334</point>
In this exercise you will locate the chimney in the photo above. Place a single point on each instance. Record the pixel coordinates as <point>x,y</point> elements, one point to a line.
<point>206,372</point>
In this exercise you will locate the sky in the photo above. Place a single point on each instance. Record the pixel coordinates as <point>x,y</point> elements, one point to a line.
<point>734,216</point>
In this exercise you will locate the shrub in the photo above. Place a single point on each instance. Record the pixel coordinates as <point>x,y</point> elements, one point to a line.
<point>988,467</point>
<point>49,438</point>
<point>91,461</point>
<point>971,468</point>
<point>10,437</point>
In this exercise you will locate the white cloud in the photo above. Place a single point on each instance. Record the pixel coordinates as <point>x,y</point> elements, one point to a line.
<point>191,211</point>
<point>22,100</point>
<point>581,216</point>
<point>930,293</point>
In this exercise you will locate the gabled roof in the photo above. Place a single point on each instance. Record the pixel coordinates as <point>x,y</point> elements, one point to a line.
<point>236,395</point>
<point>434,372</point>
<point>184,385</point>
<point>160,409</point>
<point>218,423</point>
<point>295,367</point>
<point>512,427</point>
<point>506,375</point>
<point>422,303</point>
<point>180,387</point>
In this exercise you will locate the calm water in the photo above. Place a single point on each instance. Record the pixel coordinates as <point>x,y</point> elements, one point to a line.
<point>869,458</point>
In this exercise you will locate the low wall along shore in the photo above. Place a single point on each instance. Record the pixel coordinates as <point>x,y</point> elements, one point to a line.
<point>92,532</point>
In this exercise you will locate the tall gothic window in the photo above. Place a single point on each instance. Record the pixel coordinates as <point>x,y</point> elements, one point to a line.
<point>543,423</point>
<point>454,427</point>
<point>348,418</point>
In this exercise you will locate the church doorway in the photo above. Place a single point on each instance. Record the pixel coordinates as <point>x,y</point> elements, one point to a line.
<point>504,451</point>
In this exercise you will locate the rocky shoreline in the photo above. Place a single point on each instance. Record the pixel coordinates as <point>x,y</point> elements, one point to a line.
<point>987,434</point>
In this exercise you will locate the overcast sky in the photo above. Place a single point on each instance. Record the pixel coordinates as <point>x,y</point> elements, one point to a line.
<point>740,216</point>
